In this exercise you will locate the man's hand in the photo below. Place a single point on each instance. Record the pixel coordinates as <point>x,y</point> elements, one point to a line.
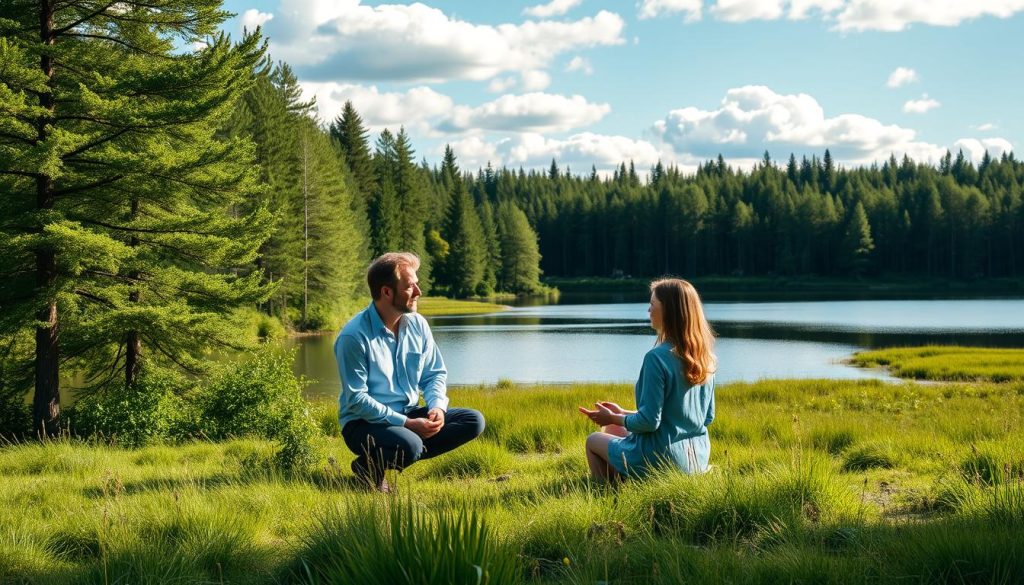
<point>424,427</point>
<point>436,415</point>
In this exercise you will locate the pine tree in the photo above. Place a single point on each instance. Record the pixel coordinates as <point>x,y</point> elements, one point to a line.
<point>858,243</point>
<point>520,254</point>
<point>117,190</point>
<point>348,131</point>
<point>464,265</point>
<point>383,210</point>
<point>411,194</point>
<point>492,257</point>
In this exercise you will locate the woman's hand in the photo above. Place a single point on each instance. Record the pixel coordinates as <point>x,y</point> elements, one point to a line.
<point>602,415</point>
<point>612,407</point>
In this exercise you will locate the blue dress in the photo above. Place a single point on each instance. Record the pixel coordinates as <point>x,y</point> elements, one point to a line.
<point>670,424</point>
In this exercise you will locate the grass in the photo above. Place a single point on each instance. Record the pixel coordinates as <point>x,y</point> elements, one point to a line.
<point>948,363</point>
<point>436,306</point>
<point>815,481</point>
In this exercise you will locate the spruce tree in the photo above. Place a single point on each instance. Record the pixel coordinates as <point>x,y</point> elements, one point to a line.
<point>520,255</point>
<point>118,192</point>
<point>464,265</point>
<point>383,211</point>
<point>348,132</point>
<point>858,243</point>
<point>411,193</point>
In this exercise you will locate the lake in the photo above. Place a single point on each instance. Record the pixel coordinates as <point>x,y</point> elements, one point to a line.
<point>605,342</point>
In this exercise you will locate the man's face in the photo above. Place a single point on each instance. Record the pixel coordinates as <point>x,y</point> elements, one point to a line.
<point>407,291</point>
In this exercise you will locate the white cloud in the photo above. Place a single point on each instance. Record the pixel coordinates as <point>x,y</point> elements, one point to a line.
<point>535,112</point>
<point>752,119</point>
<point>253,18</point>
<point>653,8</point>
<point>343,39</point>
<point>976,148</point>
<point>743,10</point>
<point>896,15</point>
<point>579,152</point>
<point>580,64</point>
<point>800,9</point>
<point>901,76</point>
<point>986,127</point>
<point>534,80</point>
<point>920,106</point>
<point>501,84</point>
<point>553,8</point>
<point>847,15</point>
<point>415,108</point>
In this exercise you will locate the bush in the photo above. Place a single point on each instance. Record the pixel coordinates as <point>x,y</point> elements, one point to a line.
<point>15,415</point>
<point>261,398</point>
<point>149,411</point>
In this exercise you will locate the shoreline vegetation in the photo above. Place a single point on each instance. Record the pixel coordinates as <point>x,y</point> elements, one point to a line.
<point>806,287</point>
<point>810,484</point>
<point>947,363</point>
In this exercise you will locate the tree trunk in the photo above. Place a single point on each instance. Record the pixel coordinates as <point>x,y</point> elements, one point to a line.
<point>133,351</point>
<point>46,402</point>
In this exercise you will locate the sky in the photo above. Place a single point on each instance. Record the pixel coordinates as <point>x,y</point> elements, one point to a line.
<point>595,83</point>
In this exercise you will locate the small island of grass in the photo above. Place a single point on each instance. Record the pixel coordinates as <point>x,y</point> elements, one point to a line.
<point>441,306</point>
<point>947,363</point>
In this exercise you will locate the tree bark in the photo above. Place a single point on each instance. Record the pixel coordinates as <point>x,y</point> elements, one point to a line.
<point>46,401</point>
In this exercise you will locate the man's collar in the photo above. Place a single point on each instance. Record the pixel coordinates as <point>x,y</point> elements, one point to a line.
<point>376,323</point>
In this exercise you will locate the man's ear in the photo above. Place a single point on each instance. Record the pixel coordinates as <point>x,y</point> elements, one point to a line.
<point>386,292</point>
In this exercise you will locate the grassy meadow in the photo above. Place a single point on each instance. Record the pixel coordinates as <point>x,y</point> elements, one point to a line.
<point>948,363</point>
<point>813,481</point>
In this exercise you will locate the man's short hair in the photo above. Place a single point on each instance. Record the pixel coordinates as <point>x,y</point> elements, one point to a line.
<point>384,270</point>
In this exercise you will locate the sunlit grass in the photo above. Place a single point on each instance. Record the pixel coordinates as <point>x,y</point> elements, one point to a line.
<point>814,481</point>
<point>948,363</point>
<point>436,306</point>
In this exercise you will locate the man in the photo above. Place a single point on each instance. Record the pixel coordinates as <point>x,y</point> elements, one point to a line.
<point>387,357</point>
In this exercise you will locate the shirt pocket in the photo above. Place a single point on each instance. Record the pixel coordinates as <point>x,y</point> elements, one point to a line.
<point>413,367</point>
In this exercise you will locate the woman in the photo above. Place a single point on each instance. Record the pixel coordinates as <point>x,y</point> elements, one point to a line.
<point>675,395</point>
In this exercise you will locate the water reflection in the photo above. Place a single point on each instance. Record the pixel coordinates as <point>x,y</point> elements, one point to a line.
<point>606,341</point>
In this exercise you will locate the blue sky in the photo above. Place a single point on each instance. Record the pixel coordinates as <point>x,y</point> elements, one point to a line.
<point>591,82</point>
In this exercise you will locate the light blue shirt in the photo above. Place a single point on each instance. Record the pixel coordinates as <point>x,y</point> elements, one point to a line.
<point>382,375</point>
<point>671,419</point>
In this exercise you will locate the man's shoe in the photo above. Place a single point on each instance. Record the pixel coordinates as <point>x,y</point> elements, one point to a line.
<point>375,484</point>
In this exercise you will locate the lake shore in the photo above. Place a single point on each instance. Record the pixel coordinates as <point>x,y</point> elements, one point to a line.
<point>805,288</point>
<point>811,483</point>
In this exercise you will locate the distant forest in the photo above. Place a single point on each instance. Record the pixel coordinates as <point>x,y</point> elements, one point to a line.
<point>485,232</point>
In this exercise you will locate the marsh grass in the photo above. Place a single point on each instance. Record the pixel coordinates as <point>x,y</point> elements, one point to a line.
<point>814,481</point>
<point>948,363</point>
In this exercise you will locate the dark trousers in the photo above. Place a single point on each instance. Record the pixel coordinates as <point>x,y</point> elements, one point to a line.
<point>382,446</point>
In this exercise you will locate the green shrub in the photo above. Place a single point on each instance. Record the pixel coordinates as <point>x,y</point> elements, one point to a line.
<point>261,398</point>
<point>15,415</point>
<point>151,410</point>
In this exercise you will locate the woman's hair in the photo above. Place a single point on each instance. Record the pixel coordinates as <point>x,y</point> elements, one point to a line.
<point>684,326</point>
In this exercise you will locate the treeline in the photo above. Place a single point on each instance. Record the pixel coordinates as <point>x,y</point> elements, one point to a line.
<point>805,217</point>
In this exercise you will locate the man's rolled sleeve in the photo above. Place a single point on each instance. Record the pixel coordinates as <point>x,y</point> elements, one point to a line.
<point>434,378</point>
<point>355,398</point>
